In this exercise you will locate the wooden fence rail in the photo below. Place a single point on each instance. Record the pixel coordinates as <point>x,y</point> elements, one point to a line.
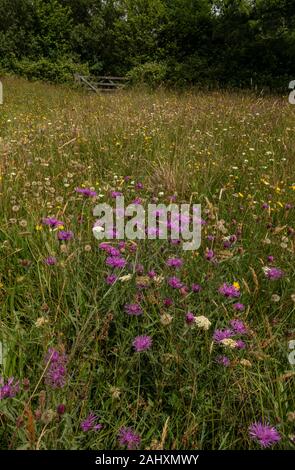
<point>101,83</point>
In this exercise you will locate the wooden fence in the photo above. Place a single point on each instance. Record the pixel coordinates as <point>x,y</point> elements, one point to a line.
<point>101,84</point>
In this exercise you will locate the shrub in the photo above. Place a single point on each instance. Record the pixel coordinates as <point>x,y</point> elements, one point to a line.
<point>58,71</point>
<point>152,74</point>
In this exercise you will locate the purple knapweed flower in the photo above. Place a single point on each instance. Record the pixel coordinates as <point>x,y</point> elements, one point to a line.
<point>52,222</point>
<point>190,318</point>
<point>8,389</point>
<point>142,343</point>
<point>223,361</point>
<point>65,235</point>
<point>174,262</point>
<point>209,255</point>
<point>175,282</point>
<point>229,290</point>
<point>273,273</point>
<point>128,438</point>
<point>239,327</point>
<point>264,434</point>
<point>116,261</point>
<point>56,372</point>
<point>133,309</point>
<point>86,192</point>
<point>196,288</point>
<point>168,302</point>
<point>111,279</point>
<point>90,423</point>
<point>240,344</point>
<point>50,261</point>
<point>115,194</point>
<point>220,335</point>
<point>239,307</point>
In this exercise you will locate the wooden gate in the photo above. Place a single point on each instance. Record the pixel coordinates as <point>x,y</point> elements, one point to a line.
<point>101,84</point>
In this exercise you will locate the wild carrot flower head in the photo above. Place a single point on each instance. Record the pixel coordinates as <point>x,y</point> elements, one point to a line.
<point>202,322</point>
<point>128,438</point>
<point>264,434</point>
<point>56,372</point>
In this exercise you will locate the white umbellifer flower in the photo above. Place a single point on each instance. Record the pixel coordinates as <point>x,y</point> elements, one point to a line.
<point>202,322</point>
<point>166,319</point>
<point>159,279</point>
<point>230,343</point>
<point>41,321</point>
<point>245,362</point>
<point>161,193</point>
<point>275,298</point>
<point>125,278</point>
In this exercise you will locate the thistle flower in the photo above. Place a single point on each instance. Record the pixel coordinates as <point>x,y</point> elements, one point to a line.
<point>127,437</point>
<point>264,434</point>
<point>142,343</point>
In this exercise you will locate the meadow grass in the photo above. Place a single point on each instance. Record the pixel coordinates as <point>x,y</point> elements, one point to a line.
<point>231,152</point>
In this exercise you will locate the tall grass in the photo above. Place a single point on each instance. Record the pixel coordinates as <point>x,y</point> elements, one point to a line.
<point>234,154</point>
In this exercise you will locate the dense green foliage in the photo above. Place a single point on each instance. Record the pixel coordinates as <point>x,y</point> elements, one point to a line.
<point>225,42</point>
